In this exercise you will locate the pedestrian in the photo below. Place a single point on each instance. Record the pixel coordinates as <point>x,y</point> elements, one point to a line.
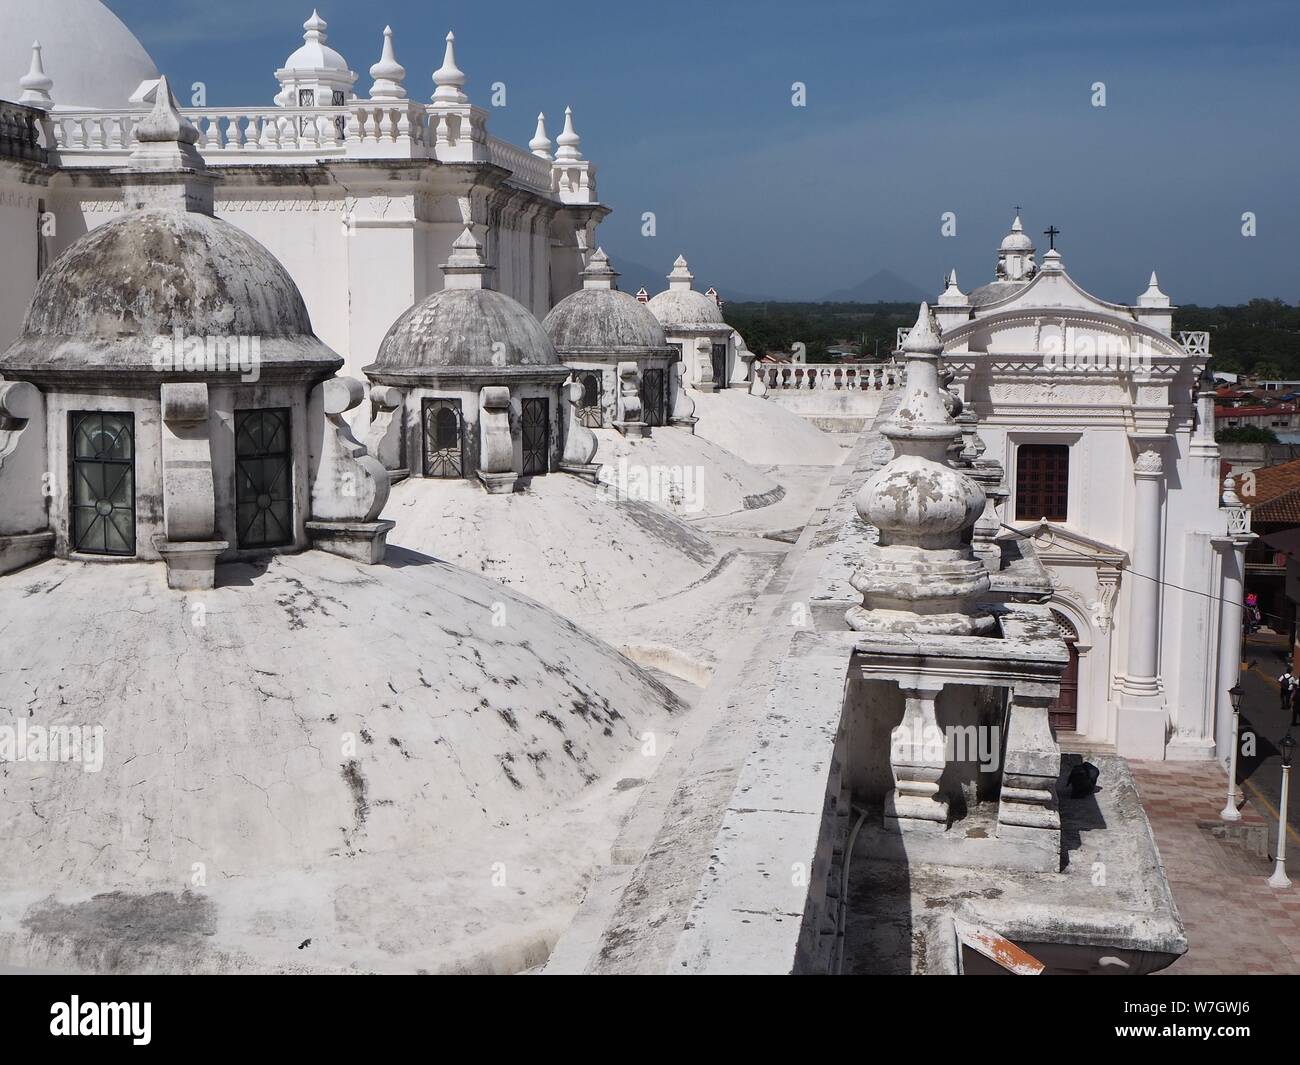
<point>1286,685</point>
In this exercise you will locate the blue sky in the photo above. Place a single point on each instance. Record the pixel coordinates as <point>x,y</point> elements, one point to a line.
<point>913,109</point>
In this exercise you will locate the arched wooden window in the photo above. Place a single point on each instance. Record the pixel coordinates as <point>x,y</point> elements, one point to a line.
<point>1042,482</point>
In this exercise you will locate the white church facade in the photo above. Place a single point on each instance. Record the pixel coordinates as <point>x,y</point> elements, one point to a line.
<point>1095,409</point>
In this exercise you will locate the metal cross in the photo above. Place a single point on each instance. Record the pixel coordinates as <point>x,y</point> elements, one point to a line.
<point>1051,233</point>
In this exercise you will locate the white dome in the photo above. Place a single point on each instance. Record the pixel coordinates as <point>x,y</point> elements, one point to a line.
<point>94,59</point>
<point>1017,239</point>
<point>315,56</point>
<point>676,308</point>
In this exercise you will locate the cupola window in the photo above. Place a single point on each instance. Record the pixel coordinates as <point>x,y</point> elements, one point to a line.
<point>103,483</point>
<point>652,396</point>
<point>537,436</point>
<point>263,478</point>
<point>443,438</point>
<point>590,413</point>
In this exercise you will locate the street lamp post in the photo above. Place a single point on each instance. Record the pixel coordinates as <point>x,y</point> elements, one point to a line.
<point>1279,879</point>
<point>1230,811</point>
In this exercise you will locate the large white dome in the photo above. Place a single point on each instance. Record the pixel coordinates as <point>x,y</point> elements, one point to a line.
<point>94,59</point>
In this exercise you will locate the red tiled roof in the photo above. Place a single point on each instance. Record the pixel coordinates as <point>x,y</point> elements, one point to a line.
<point>1254,412</point>
<point>1273,492</point>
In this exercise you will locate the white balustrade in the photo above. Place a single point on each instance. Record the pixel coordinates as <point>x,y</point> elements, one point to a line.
<point>857,377</point>
<point>1195,343</point>
<point>528,169</point>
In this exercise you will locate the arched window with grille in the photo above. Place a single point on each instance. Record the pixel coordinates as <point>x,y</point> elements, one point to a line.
<point>103,482</point>
<point>590,412</point>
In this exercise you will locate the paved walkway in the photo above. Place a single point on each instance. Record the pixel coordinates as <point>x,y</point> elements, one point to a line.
<point>1236,924</point>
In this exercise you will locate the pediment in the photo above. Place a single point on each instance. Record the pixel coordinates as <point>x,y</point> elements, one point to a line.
<point>1054,542</point>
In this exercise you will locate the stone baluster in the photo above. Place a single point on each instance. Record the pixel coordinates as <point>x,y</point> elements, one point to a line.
<point>918,757</point>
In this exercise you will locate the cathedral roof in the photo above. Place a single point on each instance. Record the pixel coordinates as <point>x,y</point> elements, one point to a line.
<point>599,319</point>
<point>685,308</point>
<point>681,307</point>
<point>342,730</point>
<point>995,291</point>
<point>465,326</point>
<point>93,59</point>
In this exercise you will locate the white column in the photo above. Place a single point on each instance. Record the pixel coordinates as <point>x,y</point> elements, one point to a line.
<point>1230,630</point>
<point>1141,730</point>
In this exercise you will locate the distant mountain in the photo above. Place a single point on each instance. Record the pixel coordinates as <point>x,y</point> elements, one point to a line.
<point>884,286</point>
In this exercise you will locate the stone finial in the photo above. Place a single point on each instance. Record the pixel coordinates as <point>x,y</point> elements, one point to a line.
<point>1153,297</point>
<point>388,73</point>
<point>165,168</point>
<point>921,575</point>
<point>1230,497</point>
<point>466,267</point>
<point>712,293</point>
<point>1052,263</point>
<point>449,78</point>
<point>568,141</point>
<point>540,145</point>
<point>314,28</point>
<point>599,273</point>
<point>36,84</point>
<point>680,277</point>
<point>952,295</point>
<point>642,296</point>
<point>165,123</point>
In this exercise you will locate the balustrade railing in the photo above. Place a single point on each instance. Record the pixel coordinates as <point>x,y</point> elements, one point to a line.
<point>20,132</point>
<point>365,128</point>
<point>1195,343</point>
<point>528,169</point>
<point>859,377</point>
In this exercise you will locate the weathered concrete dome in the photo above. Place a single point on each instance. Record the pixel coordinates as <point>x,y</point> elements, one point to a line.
<point>345,749</point>
<point>94,60</point>
<point>677,308</point>
<point>105,300</point>
<point>604,320</point>
<point>474,327</point>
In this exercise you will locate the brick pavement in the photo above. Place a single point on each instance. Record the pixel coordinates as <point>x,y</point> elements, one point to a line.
<point>1236,924</point>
